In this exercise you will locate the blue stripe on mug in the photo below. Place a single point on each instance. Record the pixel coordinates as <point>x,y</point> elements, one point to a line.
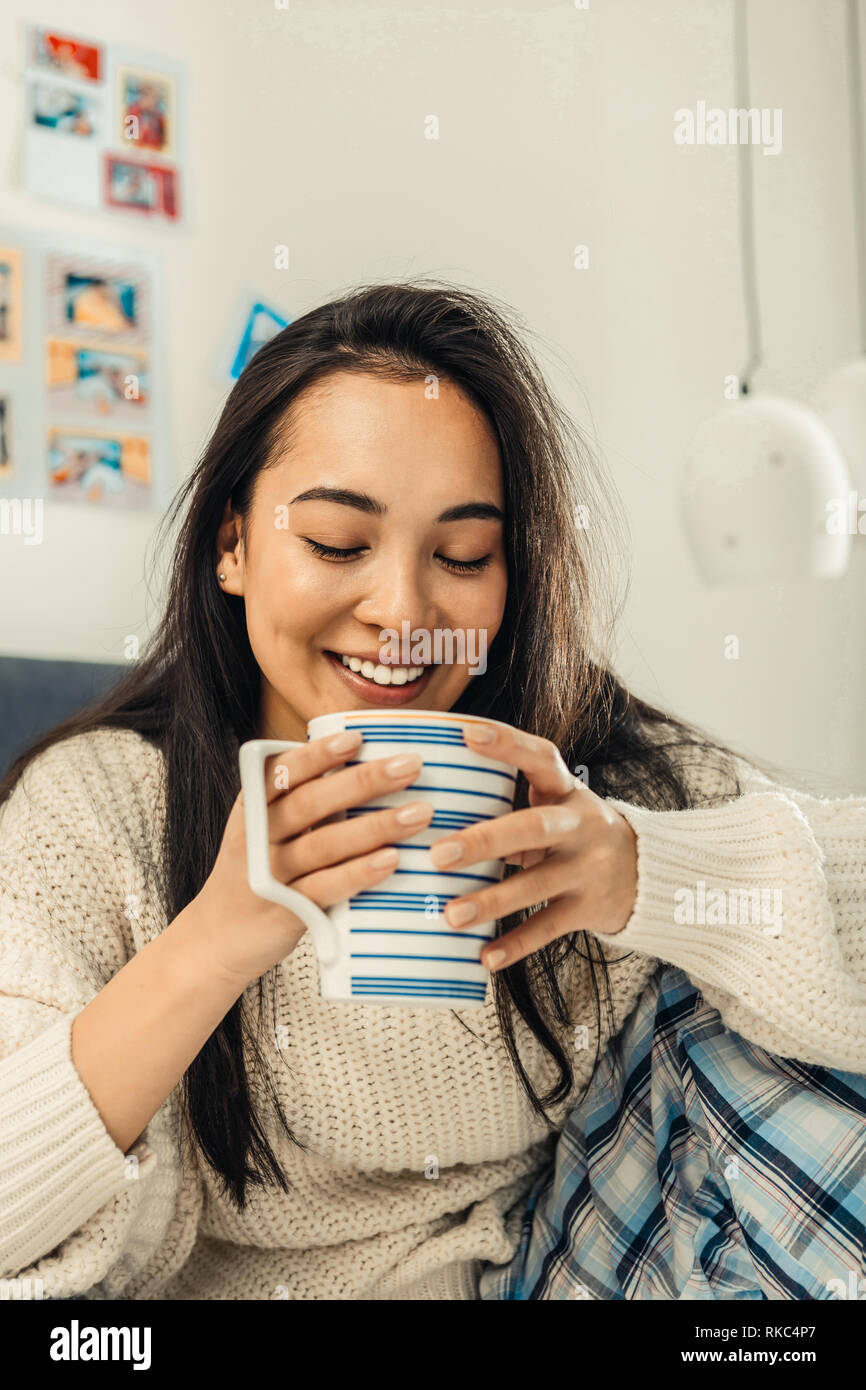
<point>417,988</point>
<point>454,791</point>
<point>424,727</point>
<point>389,895</point>
<point>460,791</point>
<point>425,873</point>
<point>415,848</point>
<point>440,818</point>
<point>412,901</point>
<point>393,955</point>
<point>458,767</point>
<point>443,739</point>
<point>391,901</point>
<point>413,931</point>
<point>470,767</point>
<point>374,904</point>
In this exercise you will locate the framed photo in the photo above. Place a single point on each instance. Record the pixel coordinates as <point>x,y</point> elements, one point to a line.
<point>99,467</point>
<point>120,111</point>
<point>92,379</point>
<point>6,460</point>
<point>58,108</point>
<point>66,56</point>
<point>145,112</point>
<point>11,304</point>
<point>83,402</point>
<point>138,187</point>
<point>88,296</point>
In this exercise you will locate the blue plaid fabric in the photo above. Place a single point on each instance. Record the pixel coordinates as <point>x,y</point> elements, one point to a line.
<point>708,1169</point>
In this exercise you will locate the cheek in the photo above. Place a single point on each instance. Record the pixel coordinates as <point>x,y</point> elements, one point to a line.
<point>284,601</point>
<point>484,605</point>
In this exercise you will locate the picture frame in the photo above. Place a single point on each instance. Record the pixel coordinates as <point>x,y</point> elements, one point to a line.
<point>140,186</point>
<point>145,112</point>
<point>66,56</point>
<point>11,303</point>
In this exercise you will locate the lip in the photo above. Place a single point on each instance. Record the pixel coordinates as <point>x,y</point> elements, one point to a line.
<point>371,656</point>
<point>382,695</point>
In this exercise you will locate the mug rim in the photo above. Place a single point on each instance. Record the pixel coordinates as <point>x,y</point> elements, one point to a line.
<point>405,713</point>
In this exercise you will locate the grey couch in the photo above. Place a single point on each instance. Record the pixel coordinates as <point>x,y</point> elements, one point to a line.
<point>35,695</point>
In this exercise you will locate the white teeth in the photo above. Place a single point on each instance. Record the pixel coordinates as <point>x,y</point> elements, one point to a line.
<point>383,675</point>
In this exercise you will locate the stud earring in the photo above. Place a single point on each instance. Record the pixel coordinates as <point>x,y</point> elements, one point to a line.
<point>222,576</point>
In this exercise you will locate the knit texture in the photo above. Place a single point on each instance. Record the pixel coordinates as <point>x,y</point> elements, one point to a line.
<point>421,1145</point>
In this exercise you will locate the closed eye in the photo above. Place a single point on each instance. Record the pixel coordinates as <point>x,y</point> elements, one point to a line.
<point>333,552</point>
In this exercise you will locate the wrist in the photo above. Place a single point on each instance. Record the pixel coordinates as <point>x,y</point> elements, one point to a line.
<point>192,940</point>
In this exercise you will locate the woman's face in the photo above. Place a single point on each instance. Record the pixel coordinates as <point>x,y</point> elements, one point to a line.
<point>417,503</point>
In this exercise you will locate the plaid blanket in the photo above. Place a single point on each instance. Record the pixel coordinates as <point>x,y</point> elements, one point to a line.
<point>708,1170</point>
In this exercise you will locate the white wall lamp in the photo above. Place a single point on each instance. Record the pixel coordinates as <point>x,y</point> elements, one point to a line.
<point>759,473</point>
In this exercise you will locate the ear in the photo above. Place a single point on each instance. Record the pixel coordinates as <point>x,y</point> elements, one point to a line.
<point>230,552</point>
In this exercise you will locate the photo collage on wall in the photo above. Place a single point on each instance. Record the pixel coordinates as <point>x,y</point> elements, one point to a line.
<point>77,392</point>
<point>102,127</point>
<point>11,303</point>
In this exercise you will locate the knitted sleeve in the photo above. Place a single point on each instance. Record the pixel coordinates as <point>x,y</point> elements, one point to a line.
<point>762,902</point>
<point>76,1214</point>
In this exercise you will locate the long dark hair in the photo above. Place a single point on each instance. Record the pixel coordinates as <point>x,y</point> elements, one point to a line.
<point>546,670</point>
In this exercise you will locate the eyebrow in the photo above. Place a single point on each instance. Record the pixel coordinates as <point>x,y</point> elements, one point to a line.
<point>363,502</point>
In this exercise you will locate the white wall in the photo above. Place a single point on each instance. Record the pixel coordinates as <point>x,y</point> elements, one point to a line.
<point>307,128</point>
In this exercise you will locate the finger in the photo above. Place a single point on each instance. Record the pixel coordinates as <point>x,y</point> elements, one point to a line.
<point>336,885</point>
<point>535,827</point>
<point>525,858</point>
<point>526,889</point>
<point>540,929</point>
<point>347,839</point>
<point>352,786</point>
<point>289,769</point>
<point>538,758</point>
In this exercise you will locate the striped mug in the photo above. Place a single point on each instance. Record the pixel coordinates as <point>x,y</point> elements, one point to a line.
<point>391,944</point>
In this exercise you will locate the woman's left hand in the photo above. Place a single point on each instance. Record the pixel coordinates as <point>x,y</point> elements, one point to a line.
<point>577,853</point>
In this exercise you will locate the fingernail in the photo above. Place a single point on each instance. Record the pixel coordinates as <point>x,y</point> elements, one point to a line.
<point>399,767</point>
<point>458,913</point>
<point>384,858</point>
<point>341,743</point>
<point>495,958</point>
<point>415,813</point>
<point>442,854</point>
<point>479,733</point>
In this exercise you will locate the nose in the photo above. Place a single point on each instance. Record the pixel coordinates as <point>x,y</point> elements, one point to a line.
<point>395,591</point>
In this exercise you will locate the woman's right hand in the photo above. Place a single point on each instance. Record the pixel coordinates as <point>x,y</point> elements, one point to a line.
<point>327,863</point>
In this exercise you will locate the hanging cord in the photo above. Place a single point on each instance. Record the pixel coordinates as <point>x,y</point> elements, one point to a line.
<point>858,179</point>
<point>745,179</point>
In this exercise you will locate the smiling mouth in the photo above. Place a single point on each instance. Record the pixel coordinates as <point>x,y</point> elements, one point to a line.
<point>379,675</point>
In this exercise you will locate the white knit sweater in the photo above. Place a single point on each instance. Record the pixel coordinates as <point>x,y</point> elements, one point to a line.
<point>421,1142</point>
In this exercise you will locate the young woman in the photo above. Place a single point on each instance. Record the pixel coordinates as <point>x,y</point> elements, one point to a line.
<point>181,1115</point>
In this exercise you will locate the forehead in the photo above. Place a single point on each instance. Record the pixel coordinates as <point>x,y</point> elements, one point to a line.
<point>378,434</point>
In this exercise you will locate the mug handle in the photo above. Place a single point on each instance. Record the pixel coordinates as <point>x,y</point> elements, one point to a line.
<point>252,761</point>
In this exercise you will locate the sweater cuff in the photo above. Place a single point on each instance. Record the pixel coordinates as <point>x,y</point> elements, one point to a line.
<point>713,880</point>
<point>58,1163</point>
